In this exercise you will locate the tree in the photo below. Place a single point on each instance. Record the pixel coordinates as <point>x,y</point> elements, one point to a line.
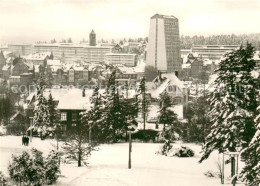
<point>53,117</point>
<point>76,145</point>
<point>97,130</point>
<point>197,127</point>
<point>51,56</point>
<point>233,103</point>
<point>143,99</point>
<point>167,116</point>
<point>34,170</point>
<point>251,170</point>
<point>69,40</point>
<point>7,108</point>
<point>165,103</point>
<point>150,73</point>
<point>41,119</point>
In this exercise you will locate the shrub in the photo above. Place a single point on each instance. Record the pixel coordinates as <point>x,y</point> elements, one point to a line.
<point>34,170</point>
<point>166,147</point>
<point>145,135</point>
<point>15,129</point>
<point>2,178</point>
<point>211,174</point>
<point>183,151</point>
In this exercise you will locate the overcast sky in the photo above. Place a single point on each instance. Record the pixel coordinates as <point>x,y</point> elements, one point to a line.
<point>32,20</point>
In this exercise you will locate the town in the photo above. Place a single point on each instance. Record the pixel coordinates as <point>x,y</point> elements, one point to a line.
<point>157,98</point>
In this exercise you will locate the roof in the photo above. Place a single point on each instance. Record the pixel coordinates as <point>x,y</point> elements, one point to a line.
<point>53,62</point>
<point>170,79</point>
<point>6,67</point>
<point>73,100</point>
<point>163,16</point>
<point>38,56</point>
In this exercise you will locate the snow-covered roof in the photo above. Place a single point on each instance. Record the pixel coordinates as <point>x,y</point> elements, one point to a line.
<point>53,62</point>
<point>38,56</point>
<point>156,92</point>
<point>207,62</point>
<point>167,79</point>
<point>73,100</point>
<point>6,67</point>
<point>174,80</point>
<point>187,65</point>
<point>140,67</point>
<point>127,70</point>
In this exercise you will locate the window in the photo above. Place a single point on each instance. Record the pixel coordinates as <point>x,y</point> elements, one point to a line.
<point>63,116</point>
<point>74,116</point>
<point>170,88</point>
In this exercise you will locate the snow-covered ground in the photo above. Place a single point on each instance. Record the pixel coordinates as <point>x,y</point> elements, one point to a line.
<point>109,165</point>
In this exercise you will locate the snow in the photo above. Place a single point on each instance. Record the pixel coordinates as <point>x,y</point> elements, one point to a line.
<point>109,165</point>
<point>156,92</point>
<point>255,74</point>
<point>153,111</point>
<point>38,56</point>
<point>73,100</point>
<point>53,62</point>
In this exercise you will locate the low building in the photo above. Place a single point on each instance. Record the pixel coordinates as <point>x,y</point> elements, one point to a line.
<point>39,58</point>
<point>213,52</point>
<point>129,60</point>
<point>172,85</point>
<point>70,105</point>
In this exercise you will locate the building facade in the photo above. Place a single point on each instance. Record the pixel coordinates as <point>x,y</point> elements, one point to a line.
<point>21,49</point>
<point>129,60</point>
<point>163,50</point>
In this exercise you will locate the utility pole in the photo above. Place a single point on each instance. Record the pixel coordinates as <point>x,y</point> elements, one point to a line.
<point>31,124</point>
<point>130,150</point>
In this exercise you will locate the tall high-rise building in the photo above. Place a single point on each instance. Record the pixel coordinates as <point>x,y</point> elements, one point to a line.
<point>163,50</point>
<point>92,38</point>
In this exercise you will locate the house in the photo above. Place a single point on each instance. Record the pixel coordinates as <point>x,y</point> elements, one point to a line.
<point>172,85</point>
<point>70,105</point>
<point>21,72</point>
<point>19,67</point>
<point>38,58</point>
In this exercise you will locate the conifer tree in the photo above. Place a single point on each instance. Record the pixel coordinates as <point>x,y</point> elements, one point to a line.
<point>233,103</point>
<point>143,99</point>
<point>41,119</point>
<point>251,170</point>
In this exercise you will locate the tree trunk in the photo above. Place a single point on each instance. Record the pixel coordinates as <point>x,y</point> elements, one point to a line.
<point>79,160</point>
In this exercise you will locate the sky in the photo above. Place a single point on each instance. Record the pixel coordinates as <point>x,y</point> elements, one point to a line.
<point>41,20</point>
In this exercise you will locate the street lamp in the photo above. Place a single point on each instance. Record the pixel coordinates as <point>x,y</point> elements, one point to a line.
<point>130,129</point>
<point>31,124</point>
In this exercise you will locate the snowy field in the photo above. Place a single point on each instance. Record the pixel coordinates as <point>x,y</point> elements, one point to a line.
<point>109,165</point>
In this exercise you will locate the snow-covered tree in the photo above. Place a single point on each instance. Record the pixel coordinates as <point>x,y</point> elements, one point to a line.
<point>233,103</point>
<point>251,170</point>
<point>95,119</point>
<point>41,120</point>
<point>143,99</point>
<point>165,103</point>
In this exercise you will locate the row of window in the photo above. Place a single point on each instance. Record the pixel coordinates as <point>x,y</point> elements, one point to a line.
<point>63,116</point>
